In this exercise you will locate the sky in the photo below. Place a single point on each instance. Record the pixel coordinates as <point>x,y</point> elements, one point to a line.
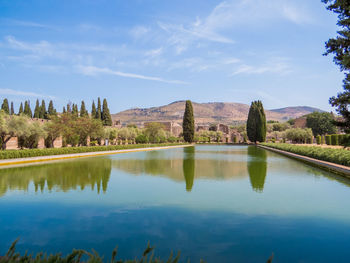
<point>144,53</point>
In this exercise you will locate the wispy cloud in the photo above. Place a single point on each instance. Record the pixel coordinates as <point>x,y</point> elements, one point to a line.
<point>22,23</point>
<point>92,71</point>
<point>277,66</point>
<point>24,93</point>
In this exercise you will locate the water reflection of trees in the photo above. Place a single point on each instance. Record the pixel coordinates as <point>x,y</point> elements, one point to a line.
<point>60,176</point>
<point>188,167</point>
<point>257,168</point>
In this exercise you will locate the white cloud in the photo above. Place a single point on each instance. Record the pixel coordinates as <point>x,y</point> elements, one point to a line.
<point>22,23</point>
<point>154,52</point>
<point>92,71</point>
<point>276,65</point>
<point>23,93</point>
<point>139,31</point>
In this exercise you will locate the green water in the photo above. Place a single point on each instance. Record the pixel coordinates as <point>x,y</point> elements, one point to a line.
<point>218,203</point>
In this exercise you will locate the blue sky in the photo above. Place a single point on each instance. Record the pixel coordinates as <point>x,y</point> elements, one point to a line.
<point>140,53</point>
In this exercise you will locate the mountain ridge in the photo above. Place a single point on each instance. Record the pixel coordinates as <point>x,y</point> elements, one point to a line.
<point>206,113</point>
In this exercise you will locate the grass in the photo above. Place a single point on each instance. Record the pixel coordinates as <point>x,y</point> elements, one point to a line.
<point>338,156</point>
<point>12,154</point>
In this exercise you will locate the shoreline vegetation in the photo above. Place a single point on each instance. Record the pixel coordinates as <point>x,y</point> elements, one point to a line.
<point>26,153</point>
<point>336,156</point>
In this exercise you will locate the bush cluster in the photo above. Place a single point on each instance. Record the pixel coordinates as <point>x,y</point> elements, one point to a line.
<point>12,154</point>
<point>338,156</point>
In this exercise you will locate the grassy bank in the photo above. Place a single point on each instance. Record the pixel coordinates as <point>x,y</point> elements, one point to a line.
<point>12,154</point>
<point>338,156</point>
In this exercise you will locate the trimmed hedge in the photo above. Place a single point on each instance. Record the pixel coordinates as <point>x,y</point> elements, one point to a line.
<point>328,139</point>
<point>335,139</point>
<point>319,139</point>
<point>338,156</point>
<point>12,154</point>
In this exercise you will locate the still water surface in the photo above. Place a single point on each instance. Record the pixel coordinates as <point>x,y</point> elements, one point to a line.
<point>218,203</point>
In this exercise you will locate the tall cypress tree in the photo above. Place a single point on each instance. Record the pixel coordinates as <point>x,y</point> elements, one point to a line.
<point>93,110</point>
<point>69,108</point>
<point>20,111</point>
<point>27,110</point>
<point>12,110</point>
<point>98,110</point>
<point>64,110</point>
<point>51,110</point>
<point>5,106</point>
<point>256,122</point>
<point>43,112</point>
<point>188,122</point>
<point>83,111</point>
<point>37,109</point>
<point>106,116</point>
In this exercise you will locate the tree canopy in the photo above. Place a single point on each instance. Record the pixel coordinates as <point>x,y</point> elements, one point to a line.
<point>321,123</point>
<point>256,123</point>
<point>340,48</point>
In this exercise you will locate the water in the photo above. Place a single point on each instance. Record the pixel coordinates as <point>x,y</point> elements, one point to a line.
<point>218,203</point>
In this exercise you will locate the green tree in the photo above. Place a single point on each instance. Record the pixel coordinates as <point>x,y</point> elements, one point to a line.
<point>27,110</point>
<point>51,110</point>
<point>30,138</point>
<point>43,112</point>
<point>106,116</point>
<point>20,111</point>
<point>256,122</point>
<point>98,110</point>
<point>321,123</point>
<point>83,111</point>
<point>188,122</point>
<point>340,48</point>
<point>64,110</point>
<point>37,109</point>
<point>11,126</point>
<point>93,110</point>
<point>12,110</point>
<point>5,106</point>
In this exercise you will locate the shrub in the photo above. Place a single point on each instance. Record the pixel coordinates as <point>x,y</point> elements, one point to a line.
<point>142,138</point>
<point>235,139</point>
<point>323,140</point>
<point>11,154</point>
<point>335,139</point>
<point>339,156</point>
<point>319,139</point>
<point>328,139</point>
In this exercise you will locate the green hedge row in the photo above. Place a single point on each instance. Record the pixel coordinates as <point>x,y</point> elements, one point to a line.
<point>334,139</point>
<point>12,154</point>
<point>338,156</point>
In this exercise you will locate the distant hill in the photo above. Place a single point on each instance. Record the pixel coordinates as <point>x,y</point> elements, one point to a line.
<point>205,113</point>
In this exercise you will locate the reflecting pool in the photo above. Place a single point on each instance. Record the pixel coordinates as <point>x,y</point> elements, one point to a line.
<point>218,203</point>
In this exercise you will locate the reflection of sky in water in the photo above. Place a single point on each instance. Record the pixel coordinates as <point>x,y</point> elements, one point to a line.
<point>234,200</point>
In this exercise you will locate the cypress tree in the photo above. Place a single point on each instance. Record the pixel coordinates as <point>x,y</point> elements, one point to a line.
<point>37,110</point>
<point>188,122</point>
<point>93,110</point>
<point>27,110</point>
<point>83,111</point>
<point>75,111</point>
<point>69,109</point>
<point>98,110</point>
<point>5,106</point>
<point>64,110</point>
<point>256,122</point>
<point>43,112</point>
<point>12,111</point>
<point>20,111</point>
<point>106,116</point>
<point>51,110</point>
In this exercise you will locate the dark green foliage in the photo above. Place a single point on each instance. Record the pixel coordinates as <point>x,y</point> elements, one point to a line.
<point>93,110</point>
<point>106,116</point>
<point>319,139</point>
<point>323,141</point>
<point>257,168</point>
<point>5,106</point>
<point>12,154</point>
<point>27,110</point>
<point>339,156</point>
<point>69,108</point>
<point>188,167</point>
<point>188,123</point>
<point>64,110</point>
<point>340,48</point>
<point>75,111</point>
<point>37,109</point>
<point>51,110</point>
<point>321,123</point>
<point>78,254</point>
<point>98,110</point>
<point>12,110</point>
<point>335,139</point>
<point>256,123</point>
<point>83,111</point>
<point>43,112</point>
<point>142,138</point>
<point>20,111</point>
<point>328,139</point>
